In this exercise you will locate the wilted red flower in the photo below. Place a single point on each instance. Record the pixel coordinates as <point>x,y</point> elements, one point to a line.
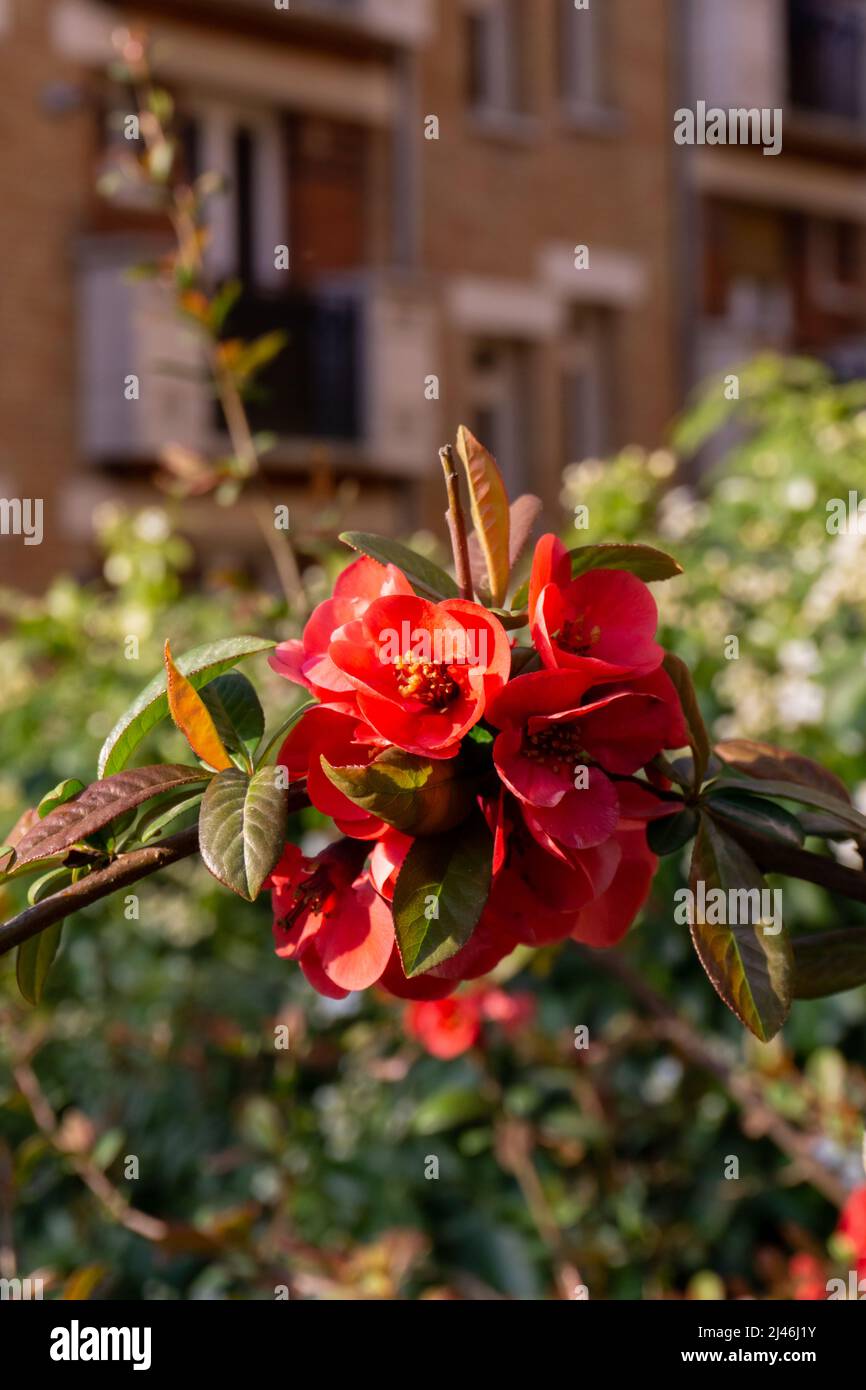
<point>423,672</point>
<point>344,742</point>
<point>306,661</point>
<point>603,621</point>
<point>548,735</point>
<point>329,917</point>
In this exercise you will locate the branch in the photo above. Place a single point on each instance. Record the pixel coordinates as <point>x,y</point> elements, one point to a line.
<point>120,873</point>
<point>774,856</point>
<point>125,869</point>
<point>118,1208</point>
<point>759,1118</point>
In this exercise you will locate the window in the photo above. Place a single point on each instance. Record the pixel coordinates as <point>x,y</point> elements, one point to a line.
<point>247,147</point>
<point>495,49</point>
<point>587,375</point>
<point>827,57</point>
<point>583,75</point>
<point>499,392</point>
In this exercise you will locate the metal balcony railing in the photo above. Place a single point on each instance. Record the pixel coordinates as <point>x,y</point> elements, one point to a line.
<point>311,390</point>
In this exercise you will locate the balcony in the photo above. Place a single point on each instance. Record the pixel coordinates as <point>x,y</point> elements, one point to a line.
<point>351,376</point>
<point>401,22</point>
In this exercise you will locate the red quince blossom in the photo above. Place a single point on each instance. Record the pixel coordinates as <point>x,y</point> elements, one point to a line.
<point>344,742</point>
<point>448,1027</point>
<point>445,1027</point>
<point>550,734</point>
<point>306,661</point>
<point>423,673</point>
<point>329,917</point>
<point>604,621</point>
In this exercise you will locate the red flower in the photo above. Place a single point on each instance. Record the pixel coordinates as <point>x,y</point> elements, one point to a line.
<point>344,742</point>
<point>604,621</point>
<point>423,672</point>
<point>511,1011</point>
<point>329,917</point>
<point>605,920</point>
<point>549,738</point>
<point>306,661</point>
<point>852,1225</point>
<point>808,1278</point>
<point>446,1027</point>
<point>537,897</point>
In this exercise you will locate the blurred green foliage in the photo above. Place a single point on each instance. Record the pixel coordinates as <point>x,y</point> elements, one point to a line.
<point>307,1168</point>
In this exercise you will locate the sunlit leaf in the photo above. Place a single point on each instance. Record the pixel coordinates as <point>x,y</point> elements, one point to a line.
<point>419,796</point>
<point>200,665</point>
<point>488,500</point>
<point>426,578</point>
<point>243,824</point>
<point>440,894</point>
<point>192,716</point>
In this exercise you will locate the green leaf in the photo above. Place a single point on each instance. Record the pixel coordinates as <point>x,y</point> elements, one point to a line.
<point>201,665</point>
<point>490,512</point>
<point>34,959</point>
<point>765,761</point>
<point>99,805</point>
<point>157,818</point>
<point>243,824</point>
<point>829,962</point>
<point>643,560</point>
<point>750,969</point>
<point>419,796</point>
<point>669,833</point>
<point>236,711</point>
<point>64,791</point>
<point>806,796</point>
<point>756,813</point>
<point>699,740</point>
<point>440,894</point>
<point>426,578</point>
<point>448,1109</point>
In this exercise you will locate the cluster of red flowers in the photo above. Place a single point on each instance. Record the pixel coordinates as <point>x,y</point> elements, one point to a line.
<point>567,815</point>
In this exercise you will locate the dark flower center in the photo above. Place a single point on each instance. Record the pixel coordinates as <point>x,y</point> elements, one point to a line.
<point>559,746</point>
<point>572,639</point>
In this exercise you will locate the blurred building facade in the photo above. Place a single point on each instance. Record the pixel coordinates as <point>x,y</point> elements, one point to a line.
<point>487,219</point>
